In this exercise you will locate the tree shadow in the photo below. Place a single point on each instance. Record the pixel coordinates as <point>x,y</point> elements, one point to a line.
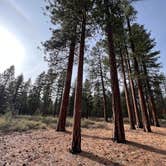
<point>162,124</point>
<point>16,132</point>
<point>147,147</point>
<point>98,159</point>
<point>135,144</point>
<point>96,137</point>
<point>90,136</point>
<point>68,132</point>
<point>158,133</point>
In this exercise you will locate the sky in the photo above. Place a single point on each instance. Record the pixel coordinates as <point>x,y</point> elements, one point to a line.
<point>23,27</point>
<point>24,19</point>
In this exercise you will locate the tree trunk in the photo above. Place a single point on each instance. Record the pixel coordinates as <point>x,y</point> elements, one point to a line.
<point>103,89</point>
<point>65,99</point>
<point>142,99</point>
<point>151,99</point>
<point>128,103</point>
<point>133,93</point>
<point>118,134</point>
<point>149,108</point>
<point>118,130</point>
<point>87,113</point>
<point>144,113</point>
<point>55,107</point>
<point>76,135</point>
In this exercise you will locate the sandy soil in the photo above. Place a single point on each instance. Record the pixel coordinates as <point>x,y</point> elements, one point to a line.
<point>50,148</point>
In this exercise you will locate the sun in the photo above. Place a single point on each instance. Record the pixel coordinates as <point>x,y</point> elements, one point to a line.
<point>12,50</point>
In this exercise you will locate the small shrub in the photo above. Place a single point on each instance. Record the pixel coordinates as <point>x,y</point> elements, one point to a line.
<point>69,122</point>
<point>49,120</point>
<point>20,124</point>
<point>8,116</point>
<point>86,123</point>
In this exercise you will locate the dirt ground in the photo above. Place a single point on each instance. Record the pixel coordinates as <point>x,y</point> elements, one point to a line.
<point>51,148</point>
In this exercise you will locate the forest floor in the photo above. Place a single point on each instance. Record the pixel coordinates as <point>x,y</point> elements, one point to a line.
<point>46,147</point>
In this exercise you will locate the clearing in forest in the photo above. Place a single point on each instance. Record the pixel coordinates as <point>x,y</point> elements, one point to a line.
<point>47,147</point>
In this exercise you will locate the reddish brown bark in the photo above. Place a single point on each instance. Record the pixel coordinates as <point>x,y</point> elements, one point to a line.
<point>149,109</point>
<point>154,112</point>
<point>144,113</point>
<point>128,103</point>
<point>133,94</point>
<point>118,129</point>
<point>103,89</point>
<point>118,134</point>
<point>151,99</point>
<point>65,99</point>
<point>76,135</point>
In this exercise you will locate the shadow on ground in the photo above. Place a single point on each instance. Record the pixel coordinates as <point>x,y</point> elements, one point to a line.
<point>132,143</point>
<point>96,158</point>
<point>147,147</point>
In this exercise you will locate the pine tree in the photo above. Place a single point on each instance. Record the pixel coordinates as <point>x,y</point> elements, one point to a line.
<point>76,135</point>
<point>96,71</point>
<point>87,99</point>
<point>58,90</point>
<point>127,96</point>
<point>23,99</point>
<point>148,60</point>
<point>139,84</point>
<point>7,78</point>
<point>34,98</point>
<point>16,93</point>
<point>83,10</point>
<point>118,133</point>
<point>133,92</point>
<point>47,92</point>
<point>62,14</point>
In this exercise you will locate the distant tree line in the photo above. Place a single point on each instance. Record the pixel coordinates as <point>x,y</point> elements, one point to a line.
<point>44,96</point>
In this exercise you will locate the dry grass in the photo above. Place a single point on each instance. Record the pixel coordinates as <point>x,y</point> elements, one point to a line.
<point>49,148</point>
<point>20,125</point>
<point>25,123</point>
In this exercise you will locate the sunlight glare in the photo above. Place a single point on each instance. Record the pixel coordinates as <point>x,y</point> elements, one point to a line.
<point>12,51</point>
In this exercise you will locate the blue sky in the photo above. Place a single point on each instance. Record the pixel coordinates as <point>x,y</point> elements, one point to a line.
<point>152,14</point>
<point>24,19</point>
